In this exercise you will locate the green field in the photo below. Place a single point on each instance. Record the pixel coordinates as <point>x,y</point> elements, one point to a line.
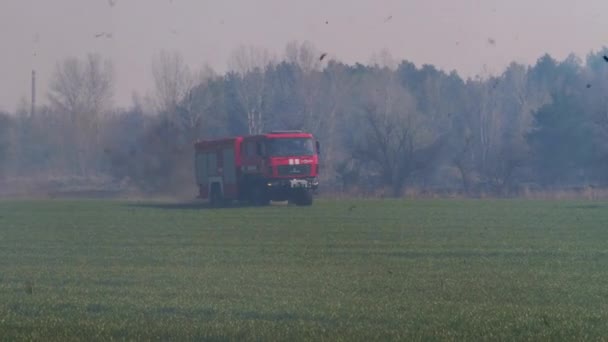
<point>339,270</point>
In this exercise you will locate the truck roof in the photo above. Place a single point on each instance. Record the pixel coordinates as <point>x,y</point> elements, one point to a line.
<point>231,141</point>
<point>281,134</point>
<point>217,142</point>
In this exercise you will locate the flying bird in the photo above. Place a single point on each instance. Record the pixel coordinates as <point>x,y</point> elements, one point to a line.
<point>588,85</point>
<point>323,55</point>
<point>491,41</point>
<point>103,34</point>
<point>606,58</point>
<point>388,18</point>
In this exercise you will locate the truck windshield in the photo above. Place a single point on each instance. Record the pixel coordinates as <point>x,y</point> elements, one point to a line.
<point>290,147</point>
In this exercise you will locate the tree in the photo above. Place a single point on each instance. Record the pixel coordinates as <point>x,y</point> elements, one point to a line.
<point>201,111</point>
<point>441,100</point>
<point>304,55</point>
<point>294,94</point>
<point>334,98</point>
<point>393,132</point>
<point>173,80</point>
<point>182,96</point>
<point>562,142</point>
<point>487,139</point>
<point>501,121</point>
<point>6,125</point>
<point>82,90</point>
<point>250,64</point>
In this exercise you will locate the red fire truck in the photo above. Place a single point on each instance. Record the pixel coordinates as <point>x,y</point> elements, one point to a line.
<point>276,166</point>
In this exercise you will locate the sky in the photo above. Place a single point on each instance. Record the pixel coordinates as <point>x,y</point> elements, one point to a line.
<point>469,36</point>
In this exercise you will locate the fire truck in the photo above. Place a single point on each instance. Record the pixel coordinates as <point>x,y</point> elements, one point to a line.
<point>258,169</point>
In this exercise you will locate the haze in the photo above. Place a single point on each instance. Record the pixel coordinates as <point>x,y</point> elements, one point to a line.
<point>469,36</point>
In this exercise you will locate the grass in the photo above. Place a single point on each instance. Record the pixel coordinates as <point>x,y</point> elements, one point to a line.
<point>340,270</point>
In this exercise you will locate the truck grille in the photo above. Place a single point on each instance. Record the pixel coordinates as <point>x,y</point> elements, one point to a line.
<point>294,170</point>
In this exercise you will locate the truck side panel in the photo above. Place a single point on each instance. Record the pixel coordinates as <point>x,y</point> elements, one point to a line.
<point>216,162</point>
<point>229,173</point>
<point>201,173</point>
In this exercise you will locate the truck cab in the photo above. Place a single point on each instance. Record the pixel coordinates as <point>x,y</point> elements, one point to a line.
<point>280,165</point>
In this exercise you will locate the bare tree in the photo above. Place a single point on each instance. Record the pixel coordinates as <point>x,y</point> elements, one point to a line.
<point>304,55</point>
<point>394,133</point>
<point>250,63</point>
<point>308,80</point>
<point>489,141</point>
<point>173,80</point>
<point>383,59</point>
<point>505,118</point>
<point>194,108</point>
<point>82,90</point>
<point>83,87</point>
<point>180,93</point>
<point>517,103</point>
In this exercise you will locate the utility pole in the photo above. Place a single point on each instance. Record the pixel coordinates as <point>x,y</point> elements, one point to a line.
<point>33,111</point>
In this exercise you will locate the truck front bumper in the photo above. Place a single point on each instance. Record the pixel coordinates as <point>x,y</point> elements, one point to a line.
<point>294,183</point>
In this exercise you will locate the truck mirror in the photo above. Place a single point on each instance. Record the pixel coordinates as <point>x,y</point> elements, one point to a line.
<point>318,147</point>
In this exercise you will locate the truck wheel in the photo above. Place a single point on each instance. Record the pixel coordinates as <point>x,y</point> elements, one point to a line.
<point>215,197</point>
<point>259,196</point>
<point>303,198</point>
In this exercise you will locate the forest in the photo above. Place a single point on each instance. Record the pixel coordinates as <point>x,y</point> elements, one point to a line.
<point>388,128</point>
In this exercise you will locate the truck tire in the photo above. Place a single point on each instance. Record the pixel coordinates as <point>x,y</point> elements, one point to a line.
<point>259,195</point>
<point>215,196</point>
<point>303,198</point>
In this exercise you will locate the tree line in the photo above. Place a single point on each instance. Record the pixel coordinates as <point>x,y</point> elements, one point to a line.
<point>386,127</point>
